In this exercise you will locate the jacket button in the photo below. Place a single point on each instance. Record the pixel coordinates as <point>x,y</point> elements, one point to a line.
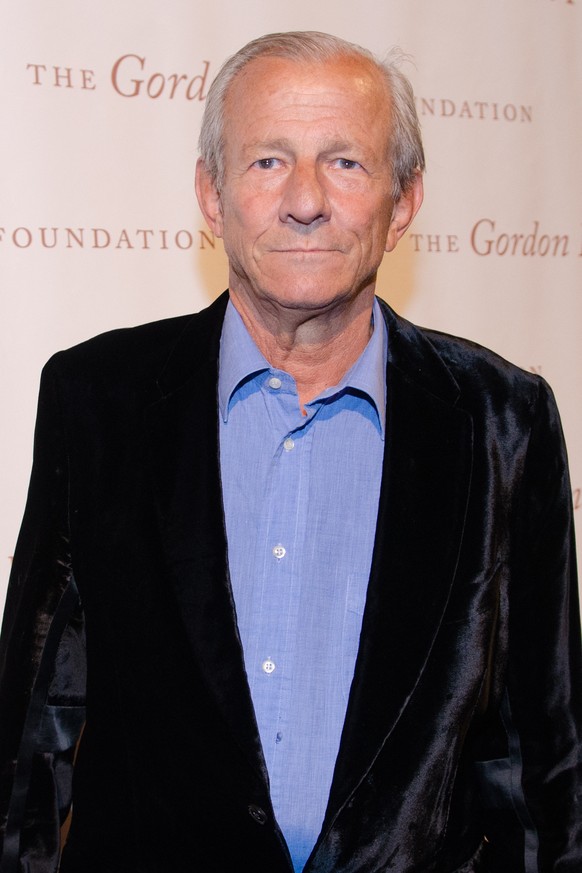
<point>257,813</point>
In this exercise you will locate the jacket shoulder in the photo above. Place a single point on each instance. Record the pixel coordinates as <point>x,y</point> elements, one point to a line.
<point>130,355</point>
<point>439,361</point>
<point>142,343</point>
<point>468,361</point>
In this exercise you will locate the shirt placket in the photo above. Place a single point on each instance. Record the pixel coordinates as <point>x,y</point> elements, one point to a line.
<point>282,545</point>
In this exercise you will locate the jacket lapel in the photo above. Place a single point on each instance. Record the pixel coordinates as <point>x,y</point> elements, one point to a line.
<point>423,499</point>
<point>183,430</point>
<point>425,486</point>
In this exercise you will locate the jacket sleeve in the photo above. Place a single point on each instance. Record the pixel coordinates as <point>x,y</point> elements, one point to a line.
<point>42,661</point>
<point>542,704</point>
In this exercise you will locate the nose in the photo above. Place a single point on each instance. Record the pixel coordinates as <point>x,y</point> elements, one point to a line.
<point>304,200</point>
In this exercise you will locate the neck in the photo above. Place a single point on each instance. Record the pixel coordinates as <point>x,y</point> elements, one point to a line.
<point>316,347</point>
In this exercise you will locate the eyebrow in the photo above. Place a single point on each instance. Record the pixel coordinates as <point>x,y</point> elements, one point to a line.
<point>336,145</point>
<point>281,144</point>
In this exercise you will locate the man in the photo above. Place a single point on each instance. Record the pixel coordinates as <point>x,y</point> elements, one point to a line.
<point>322,560</point>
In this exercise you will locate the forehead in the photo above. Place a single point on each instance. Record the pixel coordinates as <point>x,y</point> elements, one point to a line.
<point>272,90</point>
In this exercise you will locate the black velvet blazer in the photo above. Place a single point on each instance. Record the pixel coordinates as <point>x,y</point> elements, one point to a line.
<point>461,744</point>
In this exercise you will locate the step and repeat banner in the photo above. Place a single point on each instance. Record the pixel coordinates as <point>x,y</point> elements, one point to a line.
<point>99,227</point>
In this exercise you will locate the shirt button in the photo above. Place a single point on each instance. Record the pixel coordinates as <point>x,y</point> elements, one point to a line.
<point>288,445</point>
<point>275,382</point>
<point>279,551</point>
<point>259,815</point>
<point>268,666</point>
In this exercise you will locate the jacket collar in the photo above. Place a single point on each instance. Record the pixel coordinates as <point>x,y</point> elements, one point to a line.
<point>195,348</point>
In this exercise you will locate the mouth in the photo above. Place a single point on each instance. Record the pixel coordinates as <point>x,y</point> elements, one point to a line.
<point>302,251</point>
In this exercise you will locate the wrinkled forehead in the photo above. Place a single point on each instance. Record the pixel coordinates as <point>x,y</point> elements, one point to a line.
<point>274,87</point>
<point>358,76</point>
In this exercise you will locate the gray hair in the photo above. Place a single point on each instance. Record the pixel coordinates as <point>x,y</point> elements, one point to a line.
<point>407,154</point>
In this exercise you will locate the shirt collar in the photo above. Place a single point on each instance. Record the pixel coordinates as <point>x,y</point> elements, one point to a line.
<point>240,359</point>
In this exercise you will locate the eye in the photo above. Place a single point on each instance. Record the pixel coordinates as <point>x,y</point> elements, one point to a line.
<point>347,164</point>
<point>266,163</point>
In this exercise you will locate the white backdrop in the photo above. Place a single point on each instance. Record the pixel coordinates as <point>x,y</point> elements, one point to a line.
<point>101,105</point>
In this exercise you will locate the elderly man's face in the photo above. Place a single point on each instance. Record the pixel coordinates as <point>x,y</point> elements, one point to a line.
<point>305,210</point>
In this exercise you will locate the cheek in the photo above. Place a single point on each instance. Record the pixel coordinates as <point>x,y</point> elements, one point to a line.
<point>371,233</point>
<point>247,218</point>
<point>379,227</point>
<point>366,217</point>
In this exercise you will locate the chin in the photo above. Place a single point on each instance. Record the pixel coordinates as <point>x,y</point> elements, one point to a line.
<point>308,299</point>
<point>302,292</point>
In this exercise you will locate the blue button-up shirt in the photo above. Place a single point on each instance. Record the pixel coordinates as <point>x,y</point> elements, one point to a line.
<point>301,500</point>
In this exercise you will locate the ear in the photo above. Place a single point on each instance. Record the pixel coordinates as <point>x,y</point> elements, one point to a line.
<point>209,198</point>
<point>404,211</point>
